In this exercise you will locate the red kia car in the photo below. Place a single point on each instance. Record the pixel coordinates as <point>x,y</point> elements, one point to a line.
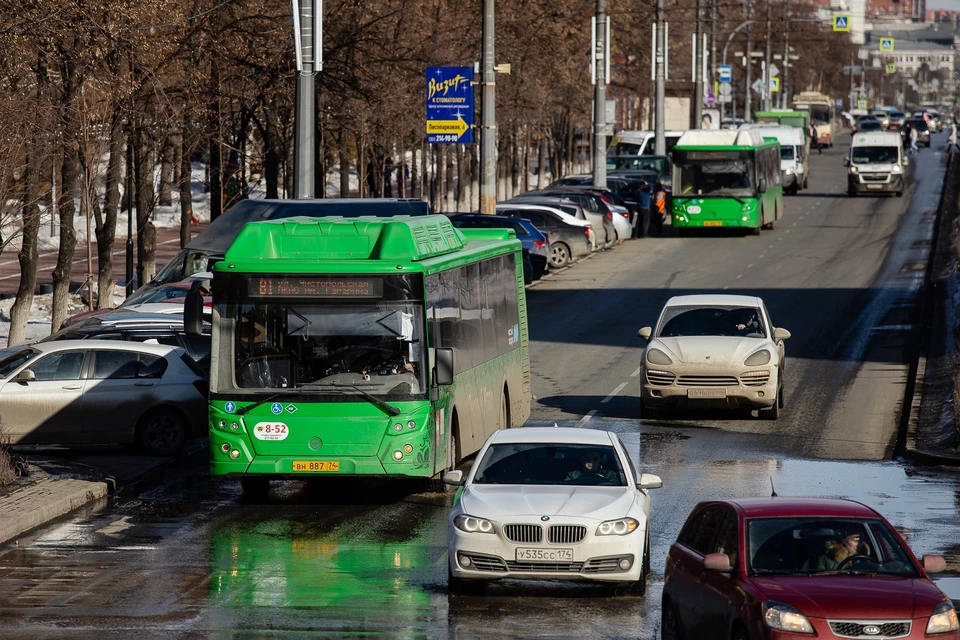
<point>782,568</point>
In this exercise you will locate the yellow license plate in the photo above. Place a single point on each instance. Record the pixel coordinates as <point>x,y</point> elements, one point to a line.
<point>316,466</point>
<point>712,223</point>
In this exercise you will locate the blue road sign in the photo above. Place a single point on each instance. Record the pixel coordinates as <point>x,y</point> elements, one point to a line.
<point>726,72</point>
<point>886,45</point>
<point>841,22</point>
<point>450,105</point>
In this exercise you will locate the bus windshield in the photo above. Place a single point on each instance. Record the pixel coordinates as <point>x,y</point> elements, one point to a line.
<point>730,178</point>
<point>874,155</point>
<point>820,114</point>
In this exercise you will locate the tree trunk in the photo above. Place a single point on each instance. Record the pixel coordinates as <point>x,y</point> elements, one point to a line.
<point>517,154</point>
<point>271,154</point>
<point>186,193</point>
<point>451,176</point>
<point>475,178</point>
<point>344,154</point>
<point>463,178</point>
<point>107,222</point>
<point>414,175</point>
<point>166,172</point>
<point>20,312</point>
<point>146,232</point>
<point>541,162</point>
<point>68,194</point>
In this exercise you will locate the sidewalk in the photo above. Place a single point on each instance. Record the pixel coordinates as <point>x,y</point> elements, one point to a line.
<point>62,480</point>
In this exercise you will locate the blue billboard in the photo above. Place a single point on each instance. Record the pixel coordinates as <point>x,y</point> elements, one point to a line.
<point>450,105</point>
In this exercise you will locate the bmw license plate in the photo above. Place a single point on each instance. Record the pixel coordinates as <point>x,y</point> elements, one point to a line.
<point>544,555</point>
<point>713,392</point>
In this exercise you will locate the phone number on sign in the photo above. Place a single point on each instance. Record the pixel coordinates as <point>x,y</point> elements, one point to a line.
<point>444,138</point>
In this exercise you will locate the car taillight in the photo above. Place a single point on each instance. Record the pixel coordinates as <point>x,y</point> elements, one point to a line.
<point>202,386</point>
<point>586,232</point>
<point>609,215</point>
<point>605,199</point>
<point>539,244</point>
<point>625,214</point>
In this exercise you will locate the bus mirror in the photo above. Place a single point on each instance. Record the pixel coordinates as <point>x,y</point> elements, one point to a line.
<point>763,185</point>
<point>193,311</point>
<point>443,372</point>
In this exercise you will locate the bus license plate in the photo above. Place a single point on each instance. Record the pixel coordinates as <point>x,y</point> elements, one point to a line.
<point>316,466</point>
<point>712,223</point>
<point>544,555</point>
<point>716,392</point>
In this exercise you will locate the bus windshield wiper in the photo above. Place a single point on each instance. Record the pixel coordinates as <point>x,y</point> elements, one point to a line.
<point>387,408</point>
<point>263,400</point>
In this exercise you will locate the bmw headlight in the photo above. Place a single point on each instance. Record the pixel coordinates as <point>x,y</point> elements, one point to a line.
<point>620,527</point>
<point>470,524</point>
<point>655,356</point>
<point>759,358</point>
<point>783,617</point>
<point>943,619</point>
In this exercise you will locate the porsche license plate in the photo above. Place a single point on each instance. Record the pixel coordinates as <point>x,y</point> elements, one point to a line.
<point>316,466</point>
<point>544,555</point>
<point>712,223</point>
<point>713,392</point>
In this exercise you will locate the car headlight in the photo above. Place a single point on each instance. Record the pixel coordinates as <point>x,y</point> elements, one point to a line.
<point>759,358</point>
<point>620,527</point>
<point>789,171</point>
<point>783,617</point>
<point>943,619</point>
<point>655,356</point>
<point>896,169</point>
<point>853,169</point>
<point>471,524</point>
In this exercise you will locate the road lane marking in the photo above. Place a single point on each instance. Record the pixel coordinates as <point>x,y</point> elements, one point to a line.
<point>749,266</point>
<point>614,393</point>
<point>635,373</point>
<point>585,419</point>
<point>762,255</point>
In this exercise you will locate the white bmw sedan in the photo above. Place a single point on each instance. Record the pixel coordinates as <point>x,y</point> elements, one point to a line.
<point>550,503</point>
<point>713,351</point>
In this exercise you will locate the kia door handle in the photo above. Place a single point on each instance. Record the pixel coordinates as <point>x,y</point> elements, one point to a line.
<point>73,387</point>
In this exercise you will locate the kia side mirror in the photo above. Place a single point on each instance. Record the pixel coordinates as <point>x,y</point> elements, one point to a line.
<point>719,562</point>
<point>934,563</point>
<point>780,334</point>
<point>454,478</point>
<point>649,481</point>
<point>645,333</point>
<point>27,375</point>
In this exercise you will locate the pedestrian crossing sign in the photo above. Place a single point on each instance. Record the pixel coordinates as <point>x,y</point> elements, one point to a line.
<point>775,84</point>
<point>891,67</point>
<point>861,104</point>
<point>886,45</point>
<point>841,22</point>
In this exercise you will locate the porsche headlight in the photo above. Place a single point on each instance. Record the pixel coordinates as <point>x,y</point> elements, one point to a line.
<point>470,524</point>
<point>620,527</point>
<point>759,358</point>
<point>655,356</point>
<point>783,617</point>
<point>943,619</point>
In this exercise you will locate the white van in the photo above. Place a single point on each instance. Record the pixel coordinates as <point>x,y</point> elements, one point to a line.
<point>794,157</point>
<point>876,163</point>
<point>640,143</point>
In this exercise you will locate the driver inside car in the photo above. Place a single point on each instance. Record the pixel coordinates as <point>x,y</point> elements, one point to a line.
<point>836,551</point>
<point>747,322</point>
<point>591,465</point>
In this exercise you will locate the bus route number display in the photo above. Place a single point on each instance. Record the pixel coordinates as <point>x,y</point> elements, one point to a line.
<point>314,287</point>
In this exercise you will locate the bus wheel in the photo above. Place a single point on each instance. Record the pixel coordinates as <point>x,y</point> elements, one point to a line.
<point>768,226</point>
<point>254,486</point>
<point>504,413</point>
<point>755,231</point>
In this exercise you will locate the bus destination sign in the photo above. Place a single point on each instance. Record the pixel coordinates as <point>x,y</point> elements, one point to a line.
<point>314,287</point>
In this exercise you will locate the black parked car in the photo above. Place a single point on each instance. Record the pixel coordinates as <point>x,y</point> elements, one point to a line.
<point>536,244</point>
<point>569,236</point>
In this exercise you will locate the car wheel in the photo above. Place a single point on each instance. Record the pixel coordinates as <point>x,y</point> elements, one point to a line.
<point>608,242</point>
<point>900,193</point>
<point>254,485</point>
<point>740,634</point>
<point>461,585</point>
<point>559,255</point>
<point>634,588</point>
<point>162,432</point>
<point>646,553</point>
<point>670,623</point>
<point>773,412</point>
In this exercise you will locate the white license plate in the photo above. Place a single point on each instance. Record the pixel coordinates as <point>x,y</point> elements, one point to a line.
<point>874,186</point>
<point>715,392</point>
<point>544,555</point>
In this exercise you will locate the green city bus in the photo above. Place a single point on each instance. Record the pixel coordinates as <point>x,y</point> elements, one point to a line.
<point>796,119</point>
<point>726,179</point>
<point>363,347</point>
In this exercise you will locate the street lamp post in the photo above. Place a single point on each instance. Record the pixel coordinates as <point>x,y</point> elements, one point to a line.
<point>308,44</point>
<point>601,68</point>
<point>660,142</point>
<point>488,114</point>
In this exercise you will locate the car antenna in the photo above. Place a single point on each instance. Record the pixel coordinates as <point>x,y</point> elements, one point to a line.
<point>773,490</point>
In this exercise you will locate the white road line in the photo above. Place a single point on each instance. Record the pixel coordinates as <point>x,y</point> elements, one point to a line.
<point>762,255</point>
<point>770,247</point>
<point>725,287</point>
<point>739,276</point>
<point>614,393</point>
<point>749,266</point>
<point>635,373</point>
<point>585,419</point>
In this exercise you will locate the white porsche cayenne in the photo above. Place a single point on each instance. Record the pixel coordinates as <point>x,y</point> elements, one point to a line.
<point>713,351</point>
<point>550,503</point>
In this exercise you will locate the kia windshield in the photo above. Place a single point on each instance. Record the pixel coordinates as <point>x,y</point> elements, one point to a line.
<point>825,546</point>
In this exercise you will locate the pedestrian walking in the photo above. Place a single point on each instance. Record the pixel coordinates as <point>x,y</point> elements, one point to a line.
<point>952,138</point>
<point>913,140</point>
<point>644,201</point>
<point>659,206</point>
<point>814,141</point>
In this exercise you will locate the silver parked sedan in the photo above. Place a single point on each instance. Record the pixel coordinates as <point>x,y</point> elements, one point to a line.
<point>713,351</point>
<point>100,392</point>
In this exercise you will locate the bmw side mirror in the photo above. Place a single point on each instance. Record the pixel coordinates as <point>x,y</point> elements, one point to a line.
<point>443,371</point>
<point>780,334</point>
<point>649,481</point>
<point>454,478</point>
<point>934,563</point>
<point>193,310</point>
<point>645,333</point>
<point>27,375</point>
<point>717,562</point>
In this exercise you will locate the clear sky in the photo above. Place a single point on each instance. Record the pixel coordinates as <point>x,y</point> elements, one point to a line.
<point>952,5</point>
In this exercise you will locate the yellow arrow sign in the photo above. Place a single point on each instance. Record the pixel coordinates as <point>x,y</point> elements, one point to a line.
<point>446,127</point>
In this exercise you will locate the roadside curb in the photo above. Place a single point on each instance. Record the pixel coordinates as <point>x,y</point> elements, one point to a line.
<point>550,275</point>
<point>44,501</point>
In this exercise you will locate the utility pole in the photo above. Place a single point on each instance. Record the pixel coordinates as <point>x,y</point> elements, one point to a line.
<point>600,66</point>
<point>660,142</point>
<point>698,70</point>
<point>767,61</point>
<point>713,43</point>
<point>308,46</point>
<point>784,98</point>
<point>748,90</point>
<point>488,115</point>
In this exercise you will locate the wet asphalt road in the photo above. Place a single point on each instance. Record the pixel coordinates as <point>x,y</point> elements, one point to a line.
<point>193,559</point>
